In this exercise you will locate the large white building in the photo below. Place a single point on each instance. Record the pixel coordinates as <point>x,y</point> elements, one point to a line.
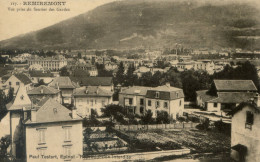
<point>49,63</point>
<point>138,100</point>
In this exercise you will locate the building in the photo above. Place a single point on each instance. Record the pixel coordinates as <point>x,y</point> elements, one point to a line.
<point>17,110</point>
<point>38,93</point>
<point>245,131</point>
<point>49,63</point>
<point>138,100</point>
<point>111,66</point>
<point>53,130</point>
<point>133,98</point>
<point>17,80</point>
<point>92,97</point>
<point>36,76</point>
<point>225,95</point>
<point>66,86</point>
<point>104,82</point>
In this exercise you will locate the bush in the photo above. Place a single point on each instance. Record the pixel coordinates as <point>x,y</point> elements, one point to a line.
<point>4,144</point>
<point>204,125</point>
<point>223,127</point>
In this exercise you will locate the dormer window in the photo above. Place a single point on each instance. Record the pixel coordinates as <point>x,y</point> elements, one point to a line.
<point>157,95</point>
<point>22,97</point>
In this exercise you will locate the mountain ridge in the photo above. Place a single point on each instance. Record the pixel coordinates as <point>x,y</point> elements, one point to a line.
<point>148,24</point>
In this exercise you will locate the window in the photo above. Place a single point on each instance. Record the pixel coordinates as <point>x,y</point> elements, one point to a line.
<point>141,110</point>
<point>177,95</point>
<point>215,104</point>
<point>180,103</point>
<point>149,103</point>
<point>17,83</point>
<point>130,101</point>
<point>157,95</point>
<point>249,119</point>
<point>67,135</point>
<point>165,105</point>
<point>10,83</point>
<point>95,102</point>
<point>141,101</point>
<point>103,102</point>
<point>157,104</point>
<point>91,102</point>
<point>41,135</point>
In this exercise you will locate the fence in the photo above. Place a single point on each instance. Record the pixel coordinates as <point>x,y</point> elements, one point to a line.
<point>156,126</point>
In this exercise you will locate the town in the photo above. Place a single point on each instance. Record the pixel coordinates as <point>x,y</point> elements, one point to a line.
<point>75,104</point>
<point>130,80</point>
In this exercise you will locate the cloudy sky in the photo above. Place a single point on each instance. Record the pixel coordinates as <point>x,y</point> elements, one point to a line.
<point>13,23</point>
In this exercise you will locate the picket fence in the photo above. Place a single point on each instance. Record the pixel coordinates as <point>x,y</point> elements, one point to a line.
<point>156,126</point>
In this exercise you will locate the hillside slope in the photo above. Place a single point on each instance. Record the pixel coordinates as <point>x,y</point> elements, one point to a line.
<point>149,24</point>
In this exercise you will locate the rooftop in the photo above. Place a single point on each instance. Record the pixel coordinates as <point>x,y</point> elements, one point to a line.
<point>23,78</point>
<point>235,85</point>
<point>232,97</point>
<point>52,111</point>
<point>92,91</point>
<point>62,82</point>
<point>43,90</point>
<point>93,81</point>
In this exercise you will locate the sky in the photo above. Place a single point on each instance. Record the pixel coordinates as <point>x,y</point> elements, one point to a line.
<point>13,23</point>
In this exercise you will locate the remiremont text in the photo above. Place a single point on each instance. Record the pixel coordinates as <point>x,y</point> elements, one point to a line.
<point>37,3</point>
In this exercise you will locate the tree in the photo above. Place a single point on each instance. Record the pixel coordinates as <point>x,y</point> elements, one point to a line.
<point>10,95</point>
<point>163,117</point>
<point>4,144</point>
<point>64,71</point>
<point>3,109</point>
<point>147,118</point>
<point>113,111</point>
<point>120,75</point>
<point>190,85</point>
<point>41,82</point>
<point>130,76</point>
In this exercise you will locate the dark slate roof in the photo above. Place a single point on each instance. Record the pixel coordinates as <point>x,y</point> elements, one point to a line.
<point>232,97</point>
<point>235,85</point>
<point>62,82</point>
<point>42,90</point>
<point>40,74</point>
<point>165,93</point>
<point>92,91</point>
<point>23,78</point>
<point>243,105</point>
<point>204,96</point>
<point>93,81</point>
<point>52,111</point>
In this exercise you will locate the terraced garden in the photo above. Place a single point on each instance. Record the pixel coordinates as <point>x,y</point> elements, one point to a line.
<point>196,140</point>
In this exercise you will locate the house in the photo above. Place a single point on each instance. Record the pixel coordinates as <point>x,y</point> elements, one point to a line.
<point>38,93</point>
<point>104,82</point>
<point>91,97</point>
<point>53,130</point>
<point>17,80</point>
<point>17,109</point>
<point>36,76</point>
<point>66,86</point>
<point>225,95</point>
<point>133,98</point>
<point>111,66</point>
<point>245,131</point>
<point>138,100</point>
<point>165,98</point>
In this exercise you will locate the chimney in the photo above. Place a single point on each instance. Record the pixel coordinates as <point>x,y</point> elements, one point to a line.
<point>257,100</point>
<point>33,114</point>
<point>74,113</point>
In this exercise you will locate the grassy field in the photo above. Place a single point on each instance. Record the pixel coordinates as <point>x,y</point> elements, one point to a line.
<point>196,140</point>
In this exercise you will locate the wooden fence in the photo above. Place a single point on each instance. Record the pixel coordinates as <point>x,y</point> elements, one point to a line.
<point>156,126</point>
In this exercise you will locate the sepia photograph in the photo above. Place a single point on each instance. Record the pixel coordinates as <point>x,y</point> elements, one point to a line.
<point>129,80</point>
